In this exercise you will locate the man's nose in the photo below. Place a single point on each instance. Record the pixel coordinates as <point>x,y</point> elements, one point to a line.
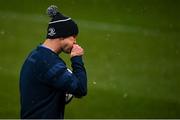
<point>74,41</point>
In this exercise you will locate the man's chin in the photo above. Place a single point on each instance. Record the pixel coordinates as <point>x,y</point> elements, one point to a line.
<point>68,51</point>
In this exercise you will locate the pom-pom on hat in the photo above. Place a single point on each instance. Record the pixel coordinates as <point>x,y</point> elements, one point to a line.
<point>60,25</point>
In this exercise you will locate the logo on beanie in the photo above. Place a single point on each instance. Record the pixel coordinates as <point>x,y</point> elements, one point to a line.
<point>51,32</point>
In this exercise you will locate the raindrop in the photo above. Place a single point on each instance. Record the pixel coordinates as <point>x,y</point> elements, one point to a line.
<point>118,53</point>
<point>177,51</point>
<point>2,32</point>
<point>129,10</point>
<point>94,83</point>
<point>170,25</point>
<point>73,2</point>
<point>125,95</point>
<point>146,33</point>
<point>108,36</point>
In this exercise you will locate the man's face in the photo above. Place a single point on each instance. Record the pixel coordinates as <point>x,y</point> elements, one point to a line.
<point>67,44</point>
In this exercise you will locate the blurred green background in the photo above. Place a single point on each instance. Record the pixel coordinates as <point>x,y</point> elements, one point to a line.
<point>132,55</point>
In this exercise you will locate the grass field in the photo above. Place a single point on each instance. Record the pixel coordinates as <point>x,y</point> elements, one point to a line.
<point>132,55</point>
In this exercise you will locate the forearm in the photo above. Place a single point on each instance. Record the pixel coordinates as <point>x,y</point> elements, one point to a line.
<point>80,72</point>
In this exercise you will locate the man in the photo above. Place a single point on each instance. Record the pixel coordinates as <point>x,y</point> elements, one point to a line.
<point>45,80</point>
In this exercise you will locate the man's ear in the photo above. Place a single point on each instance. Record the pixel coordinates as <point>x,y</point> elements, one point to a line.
<point>75,36</point>
<point>61,40</point>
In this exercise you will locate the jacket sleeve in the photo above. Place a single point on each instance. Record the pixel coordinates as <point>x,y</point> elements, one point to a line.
<point>74,82</point>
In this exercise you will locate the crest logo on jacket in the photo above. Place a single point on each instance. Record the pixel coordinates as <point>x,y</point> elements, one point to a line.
<point>51,32</point>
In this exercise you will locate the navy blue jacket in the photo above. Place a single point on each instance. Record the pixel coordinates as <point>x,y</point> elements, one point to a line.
<point>44,81</point>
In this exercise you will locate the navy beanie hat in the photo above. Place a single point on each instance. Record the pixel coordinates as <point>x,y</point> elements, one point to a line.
<point>60,25</point>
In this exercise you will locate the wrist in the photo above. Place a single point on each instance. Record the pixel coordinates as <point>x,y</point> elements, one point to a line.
<point>74,55</point>
<point>74,59</point>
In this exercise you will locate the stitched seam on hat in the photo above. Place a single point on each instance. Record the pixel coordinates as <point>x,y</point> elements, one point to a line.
<point>60,20</point>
